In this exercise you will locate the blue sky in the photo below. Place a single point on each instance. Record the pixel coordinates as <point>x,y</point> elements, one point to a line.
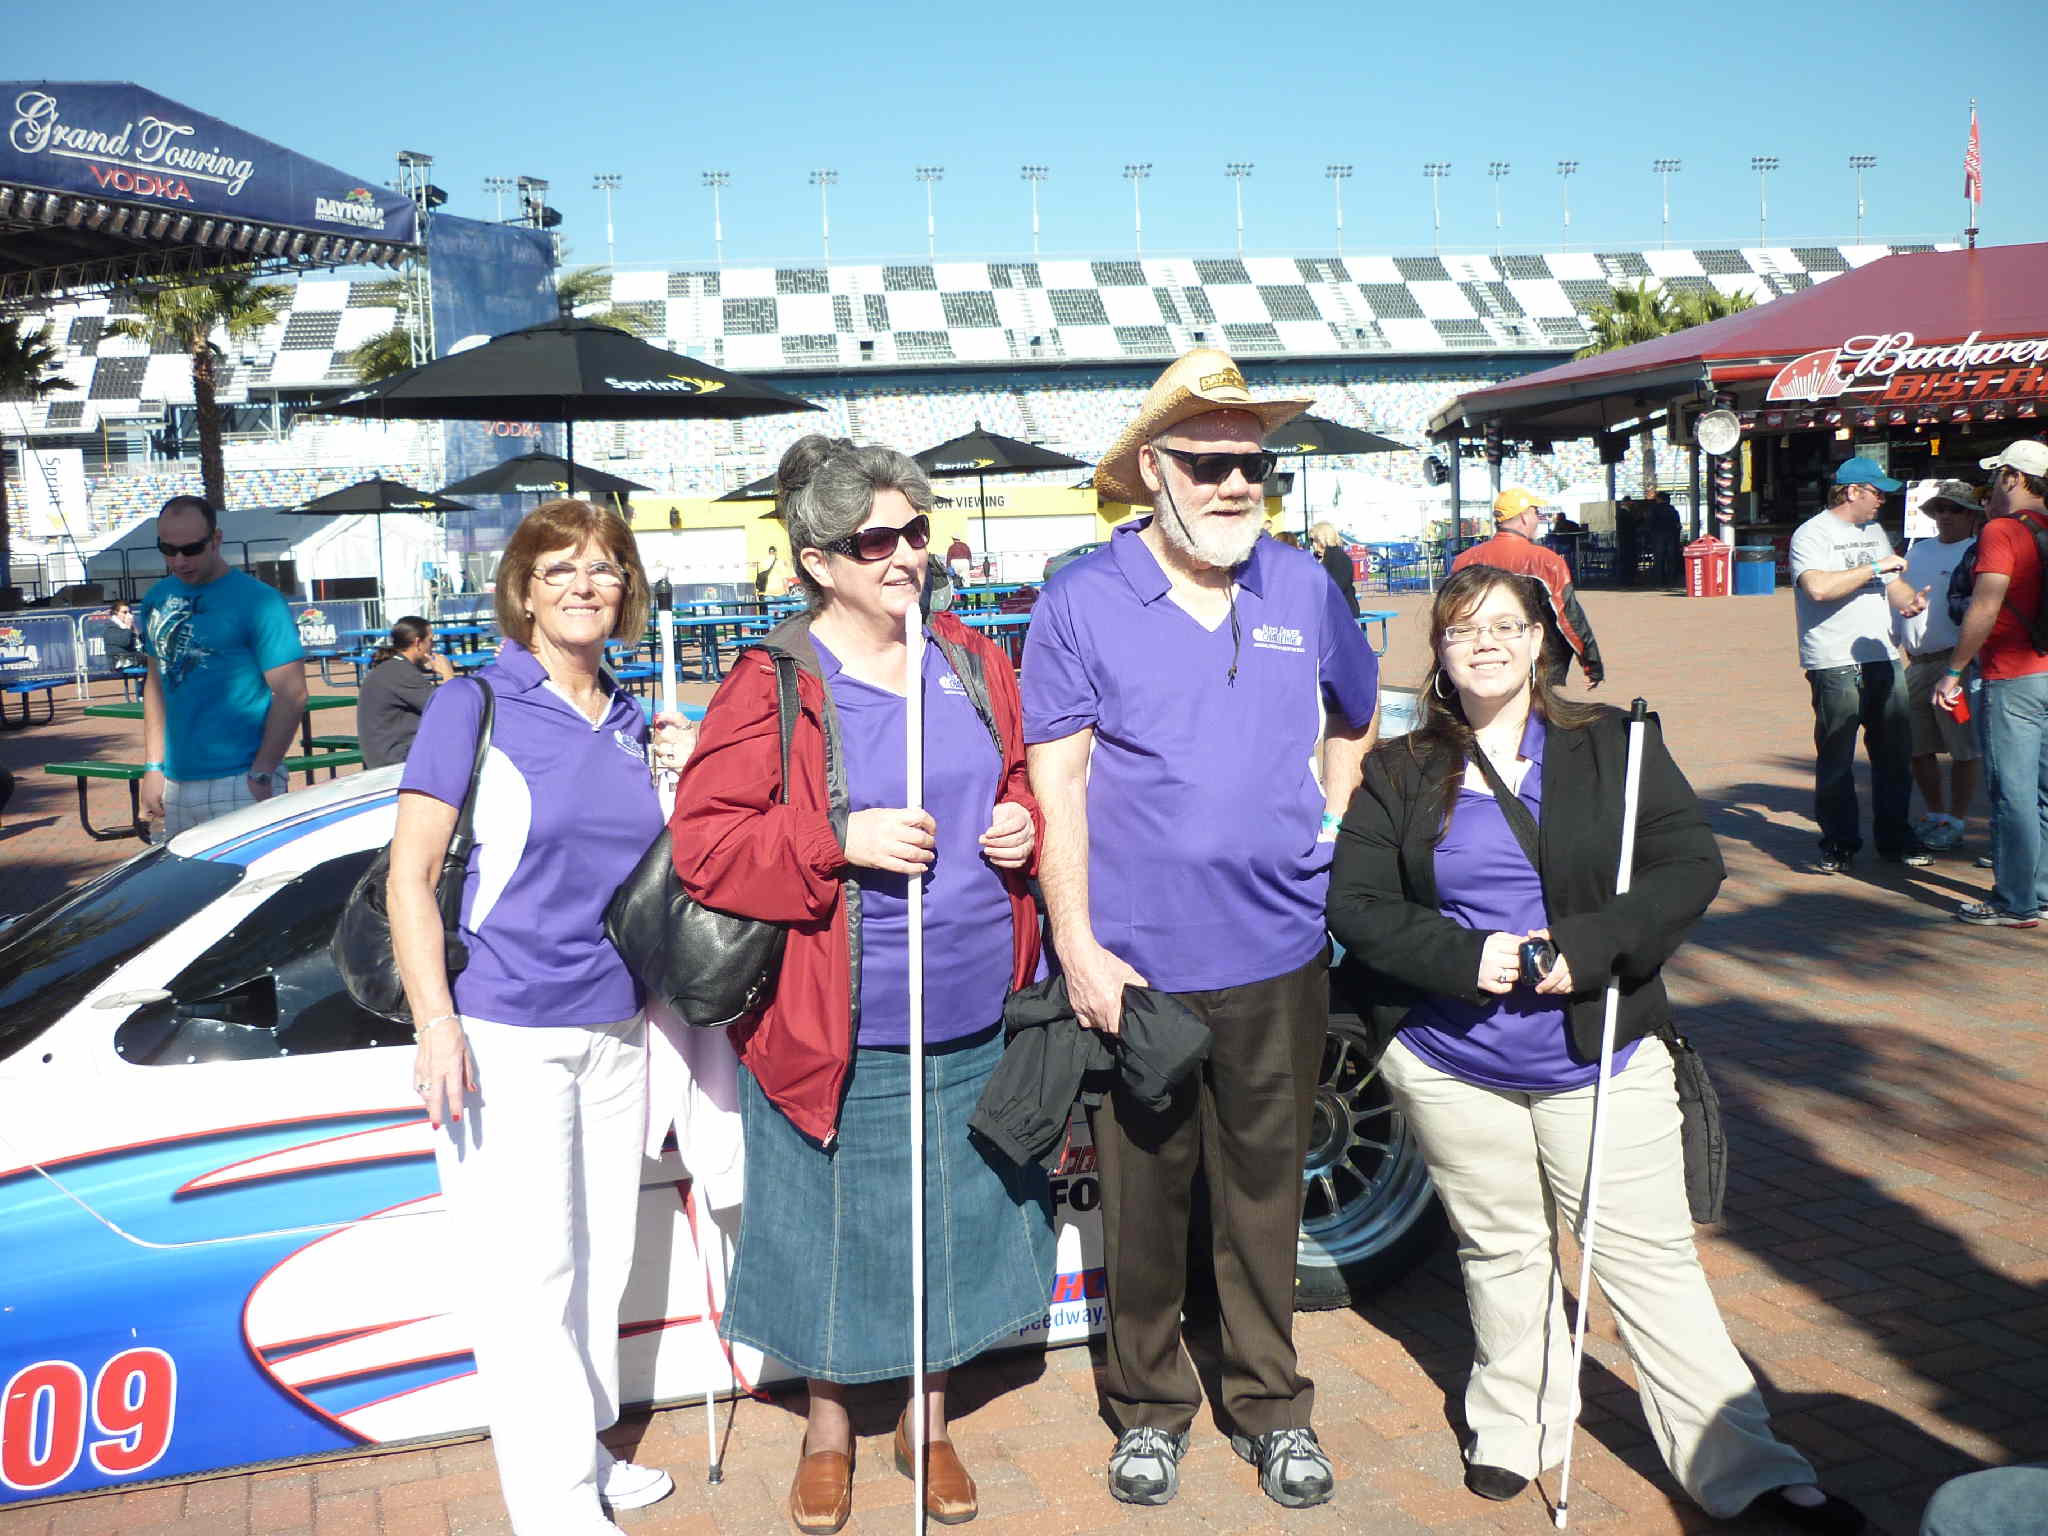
<point>659,92</point>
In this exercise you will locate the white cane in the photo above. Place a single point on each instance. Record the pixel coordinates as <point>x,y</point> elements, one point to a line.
<point>665,702</point>
<point>1589,1216</point>
<point>913,774</point>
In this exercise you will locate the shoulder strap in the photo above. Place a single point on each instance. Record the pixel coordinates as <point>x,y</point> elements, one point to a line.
<point>463,838</point>
<point>785,709</point>
<point>1519,819</point>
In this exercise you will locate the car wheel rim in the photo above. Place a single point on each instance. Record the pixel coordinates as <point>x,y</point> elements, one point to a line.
<point>1364,1180</point>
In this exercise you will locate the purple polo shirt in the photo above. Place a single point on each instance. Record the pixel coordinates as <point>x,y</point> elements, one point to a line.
<point>1483,880</point>
<point>1204,868</point>
<point>564,811</point>
<point>967,941</point>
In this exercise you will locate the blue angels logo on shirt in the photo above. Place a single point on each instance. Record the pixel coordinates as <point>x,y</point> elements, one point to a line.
<point>629,746</point>
<point>172,641</point>
<point>1277,637</point>
<point>948,683</point>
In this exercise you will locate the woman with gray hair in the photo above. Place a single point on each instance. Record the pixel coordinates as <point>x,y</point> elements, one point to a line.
<point>818,1281</point>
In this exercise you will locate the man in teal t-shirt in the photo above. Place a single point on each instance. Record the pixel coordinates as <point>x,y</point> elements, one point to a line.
<point>227,680</point>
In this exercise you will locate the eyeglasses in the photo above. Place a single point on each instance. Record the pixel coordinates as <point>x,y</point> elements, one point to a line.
<point>602,573</point>
<point>868,545</point>
<point>1215,468</point>
<point>196,547</point>
<point>1499,629</point>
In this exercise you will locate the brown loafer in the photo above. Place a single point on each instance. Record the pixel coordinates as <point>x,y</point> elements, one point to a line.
<point>821,1496</point>
<point>948,1491</point>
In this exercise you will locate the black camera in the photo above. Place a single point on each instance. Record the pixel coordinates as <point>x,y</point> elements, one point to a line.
<point>1538,956</point>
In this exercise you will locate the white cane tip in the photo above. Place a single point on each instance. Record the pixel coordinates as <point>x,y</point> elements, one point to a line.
<point>1558,1518</point>
<point>715,1475</point>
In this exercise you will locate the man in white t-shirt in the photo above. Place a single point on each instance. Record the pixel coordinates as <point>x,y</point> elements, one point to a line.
<point>1845,589</point>
<point>1928,638</point>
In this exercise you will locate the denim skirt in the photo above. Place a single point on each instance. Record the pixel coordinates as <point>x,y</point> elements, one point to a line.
<point>821,1279</point>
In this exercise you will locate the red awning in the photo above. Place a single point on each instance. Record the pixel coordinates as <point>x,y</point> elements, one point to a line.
<point>1999,292</point>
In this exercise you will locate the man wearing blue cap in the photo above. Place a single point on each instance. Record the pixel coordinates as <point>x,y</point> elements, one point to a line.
<point>1846,586</point>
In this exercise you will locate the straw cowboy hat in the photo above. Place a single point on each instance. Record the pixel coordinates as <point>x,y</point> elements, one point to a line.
<point>1198,382</point>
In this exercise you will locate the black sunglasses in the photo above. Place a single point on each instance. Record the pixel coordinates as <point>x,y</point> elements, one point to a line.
<point>1215,468</point>
<point>872,544</point>
<point>196,547</point>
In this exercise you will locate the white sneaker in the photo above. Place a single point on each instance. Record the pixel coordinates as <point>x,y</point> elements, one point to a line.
<point>627,1484</point>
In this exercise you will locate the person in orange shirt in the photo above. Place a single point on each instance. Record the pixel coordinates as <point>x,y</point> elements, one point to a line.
<point>1513,547</point>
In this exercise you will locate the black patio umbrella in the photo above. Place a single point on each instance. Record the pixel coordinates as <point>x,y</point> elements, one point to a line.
<point>762,489</point>
<point>566,371</point>
<point>981,453</point>
<point>376,497</point>
<point>1317,436</point>
<point>539,474</point>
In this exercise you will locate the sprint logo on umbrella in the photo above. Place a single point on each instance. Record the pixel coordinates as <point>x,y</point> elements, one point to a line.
<point>674,384</point>
<point>965,464</point>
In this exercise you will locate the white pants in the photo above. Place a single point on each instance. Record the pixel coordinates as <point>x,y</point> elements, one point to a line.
<point>542,1181</point>
<point>1507,1165</point>
<point>189,803</point>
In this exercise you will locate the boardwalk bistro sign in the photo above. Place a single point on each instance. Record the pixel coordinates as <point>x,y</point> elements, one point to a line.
<point>1893,370</point>
<point>110,145</point>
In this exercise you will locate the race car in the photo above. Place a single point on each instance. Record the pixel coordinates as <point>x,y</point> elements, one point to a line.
<point>219,1208</point>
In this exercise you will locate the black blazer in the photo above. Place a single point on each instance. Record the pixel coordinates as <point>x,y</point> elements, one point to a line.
<point>1383,897</point>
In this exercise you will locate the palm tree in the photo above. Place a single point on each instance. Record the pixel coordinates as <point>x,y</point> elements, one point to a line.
<point>383,356</point>
<point>1643,313</point>
<point>585,293</point>
<point>28,364</point>
<point>188,317</point>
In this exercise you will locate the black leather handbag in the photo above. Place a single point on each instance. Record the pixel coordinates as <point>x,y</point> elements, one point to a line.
<point>361,946</point>
<point>711,967</point>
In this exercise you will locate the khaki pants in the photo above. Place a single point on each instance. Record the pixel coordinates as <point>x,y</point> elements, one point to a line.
<point>190,803</point>
<point>1243,1119</point>
<point>1508,1166</point>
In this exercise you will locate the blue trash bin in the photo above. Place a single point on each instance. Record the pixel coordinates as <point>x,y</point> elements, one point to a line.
<point>1756,570</point>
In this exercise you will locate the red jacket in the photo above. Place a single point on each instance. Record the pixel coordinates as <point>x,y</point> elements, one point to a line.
<point>736,849</point>
<point>1509,550</point>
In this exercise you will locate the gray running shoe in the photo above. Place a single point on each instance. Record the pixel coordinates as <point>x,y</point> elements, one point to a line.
<point>1292,1467</point>
<point>1145,1467</point>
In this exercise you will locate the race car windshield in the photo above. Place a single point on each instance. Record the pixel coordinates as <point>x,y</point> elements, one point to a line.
<point>52,959</point>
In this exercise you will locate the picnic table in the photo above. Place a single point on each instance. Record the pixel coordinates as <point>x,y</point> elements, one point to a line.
<point>1379,616</point>
<point>705,629</point>
<point>987,596</point>
<point>16,681</point>
<point>1006,629</point>
<point>131,709</point>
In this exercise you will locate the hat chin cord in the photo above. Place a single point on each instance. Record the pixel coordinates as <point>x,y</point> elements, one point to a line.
<point>1236,638</point>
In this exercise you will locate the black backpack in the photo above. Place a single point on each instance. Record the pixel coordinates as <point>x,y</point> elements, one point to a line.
<point>1964,578</point>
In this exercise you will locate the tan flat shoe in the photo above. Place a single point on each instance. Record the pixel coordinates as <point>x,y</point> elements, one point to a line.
<point>949,1496</point>
<point>821,1496</point>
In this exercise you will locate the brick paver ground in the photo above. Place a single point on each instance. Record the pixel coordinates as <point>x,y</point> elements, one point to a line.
<point>1884,1262</point>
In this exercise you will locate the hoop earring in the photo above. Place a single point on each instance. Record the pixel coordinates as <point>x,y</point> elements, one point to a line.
<point>1438,688</point>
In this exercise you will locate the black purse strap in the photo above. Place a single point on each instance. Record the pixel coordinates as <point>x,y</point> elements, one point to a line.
<point>1519,820</point>
<point>455,862</point>
<point>785,710</point>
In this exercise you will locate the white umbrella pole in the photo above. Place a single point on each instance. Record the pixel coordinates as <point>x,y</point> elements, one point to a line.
<point>1589,1216</point>
<point>913,773</point>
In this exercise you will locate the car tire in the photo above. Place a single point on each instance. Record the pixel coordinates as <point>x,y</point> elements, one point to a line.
<point>1369,1213</point>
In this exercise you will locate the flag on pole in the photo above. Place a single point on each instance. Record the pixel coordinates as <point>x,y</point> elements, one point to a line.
<point>1973,164</point>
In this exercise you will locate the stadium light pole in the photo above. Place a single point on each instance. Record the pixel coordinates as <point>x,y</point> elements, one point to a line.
<point>824,181</point>
<point>498,186</point>
<point>1135,175</point>
<point>717,181</point>
<point>1859,164</point>
<point>1763,165</point>
<point>608,183</point>
<point>1338,174</point>
<point>1237,171</point>
<point>1034,174</point>
<point>1495,170</point>
<point>1566,170</point>
<point>1436,171</point>
<point>1664,170</point>
<point>930,175</point>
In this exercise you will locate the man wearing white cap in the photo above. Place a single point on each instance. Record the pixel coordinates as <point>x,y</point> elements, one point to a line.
<point>1845,588</point>
<point>2004,633</point>
<point>1178,684</point>
<point>1928,639</point>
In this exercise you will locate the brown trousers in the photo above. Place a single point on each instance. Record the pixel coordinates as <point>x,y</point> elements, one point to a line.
<point>1243,1121</point>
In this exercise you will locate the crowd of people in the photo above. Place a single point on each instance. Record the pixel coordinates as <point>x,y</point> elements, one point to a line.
<point>1082,835</point>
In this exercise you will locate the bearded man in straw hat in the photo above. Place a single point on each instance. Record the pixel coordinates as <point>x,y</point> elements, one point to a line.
<point>1176,685</point>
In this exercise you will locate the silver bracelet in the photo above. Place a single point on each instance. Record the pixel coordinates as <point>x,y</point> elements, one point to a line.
<point>439,1017</point>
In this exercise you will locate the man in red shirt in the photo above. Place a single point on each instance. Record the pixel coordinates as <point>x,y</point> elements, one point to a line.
<point>1997,635</point>
<point>1514,548</point>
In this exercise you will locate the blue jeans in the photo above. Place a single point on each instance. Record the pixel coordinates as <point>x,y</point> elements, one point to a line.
<point>2003,1501</point>
<point>2016,775</point>
<point>1871,695</point>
